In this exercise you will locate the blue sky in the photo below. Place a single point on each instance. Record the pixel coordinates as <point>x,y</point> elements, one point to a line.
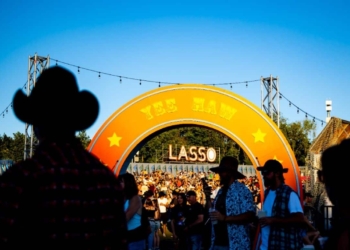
<point>307,45</point>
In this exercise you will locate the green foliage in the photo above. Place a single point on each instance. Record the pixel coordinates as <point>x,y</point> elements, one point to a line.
<point>12,148</point>
<point>299,134</point>
<point>84,138</point>
<point>155,150</point>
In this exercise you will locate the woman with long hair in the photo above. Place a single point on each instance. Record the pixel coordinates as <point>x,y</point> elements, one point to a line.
<point>133,212</point>
<point>178,217</point>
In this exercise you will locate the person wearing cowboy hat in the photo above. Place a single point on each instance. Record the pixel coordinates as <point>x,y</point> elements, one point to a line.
<point>233,208</point>
<point>281,228</point>
<point>63,197</point>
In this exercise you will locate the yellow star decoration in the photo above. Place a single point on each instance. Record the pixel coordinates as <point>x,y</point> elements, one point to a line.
<point>114,140</point>
<point>275,158</point>
<point>259,136</point>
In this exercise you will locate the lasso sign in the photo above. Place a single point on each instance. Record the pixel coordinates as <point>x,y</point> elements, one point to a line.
<point>201,154</point>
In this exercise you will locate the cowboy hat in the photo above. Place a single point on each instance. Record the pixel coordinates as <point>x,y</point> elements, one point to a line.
<point>272,166</point>
<point>228,164</point>
<point>55,101</point>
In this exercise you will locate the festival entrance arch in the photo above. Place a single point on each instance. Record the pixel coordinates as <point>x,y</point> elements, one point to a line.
<point>128,128</point>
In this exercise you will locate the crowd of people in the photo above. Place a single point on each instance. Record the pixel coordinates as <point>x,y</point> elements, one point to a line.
<point>64,197</point>
<point>185,181</point>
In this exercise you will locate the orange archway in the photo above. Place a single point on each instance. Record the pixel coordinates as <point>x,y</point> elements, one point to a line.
<point>121,135</point>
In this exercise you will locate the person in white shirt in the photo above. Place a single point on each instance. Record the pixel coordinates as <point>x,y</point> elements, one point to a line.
<point>163,205</point>
<point>281,228</point>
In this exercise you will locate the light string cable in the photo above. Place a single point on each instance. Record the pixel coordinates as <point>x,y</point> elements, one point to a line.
<point>143,80</point>
<point>213,84</point>
<point>10,106</point>
<point>314,119</point>
<point>167,83</point>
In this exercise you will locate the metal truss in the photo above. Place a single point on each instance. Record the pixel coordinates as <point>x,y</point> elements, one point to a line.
<point>36,65</point>
<point>270,102</point>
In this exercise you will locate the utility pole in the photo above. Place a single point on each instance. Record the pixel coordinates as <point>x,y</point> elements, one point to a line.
<point>36,65</point>
<point>270,102</point>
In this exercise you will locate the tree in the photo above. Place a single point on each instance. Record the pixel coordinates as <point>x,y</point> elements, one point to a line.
<point>17,147</point>
<point>84,138</point>
<point>5,147</point>
<point>298,135</point>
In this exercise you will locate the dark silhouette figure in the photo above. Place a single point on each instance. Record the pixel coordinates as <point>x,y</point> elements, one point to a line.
<point>63,197</point>
<point>337,186</point>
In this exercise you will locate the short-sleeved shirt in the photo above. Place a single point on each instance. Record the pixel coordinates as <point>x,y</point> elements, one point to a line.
<point>239,200</point>
<point>193,212</point>
<point>294,206</point>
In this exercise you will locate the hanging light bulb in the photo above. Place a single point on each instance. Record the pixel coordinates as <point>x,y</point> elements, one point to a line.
<point>306,115</point>
<point>246,84</point>
<point>159,85</point>
<point>313,119</point>
<point>11,105</point>
<point>298,111</point>
<point>230,85</point>
<point>290,104</point>
<point>78,70</point>
<point>280,96</point>
<point>7,110</point>
<point>99,75</point>
<point>140,81</point>
<point>120,79</point>
<point>322,123</point>
<point>56,62</point>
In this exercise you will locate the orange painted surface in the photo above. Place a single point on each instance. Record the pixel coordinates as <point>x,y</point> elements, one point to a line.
<point>193,104</point>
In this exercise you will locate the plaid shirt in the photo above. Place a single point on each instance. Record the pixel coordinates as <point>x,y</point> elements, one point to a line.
<point>283,237</point>
<point>62,197</point>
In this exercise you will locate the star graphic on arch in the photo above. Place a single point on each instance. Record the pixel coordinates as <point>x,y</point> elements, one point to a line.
<point>259,136</point>
<point>114,140</point>
<point>275,158</point>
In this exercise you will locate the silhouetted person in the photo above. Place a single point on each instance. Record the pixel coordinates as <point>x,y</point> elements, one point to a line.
<point>63,197</point>
<point>337,186</point>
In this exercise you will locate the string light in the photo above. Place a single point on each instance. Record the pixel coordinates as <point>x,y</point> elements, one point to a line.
<point>159,85</point>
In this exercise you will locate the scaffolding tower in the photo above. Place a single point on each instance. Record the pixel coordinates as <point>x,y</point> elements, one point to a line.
<point>270,102</point>
<point>36,65</point>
